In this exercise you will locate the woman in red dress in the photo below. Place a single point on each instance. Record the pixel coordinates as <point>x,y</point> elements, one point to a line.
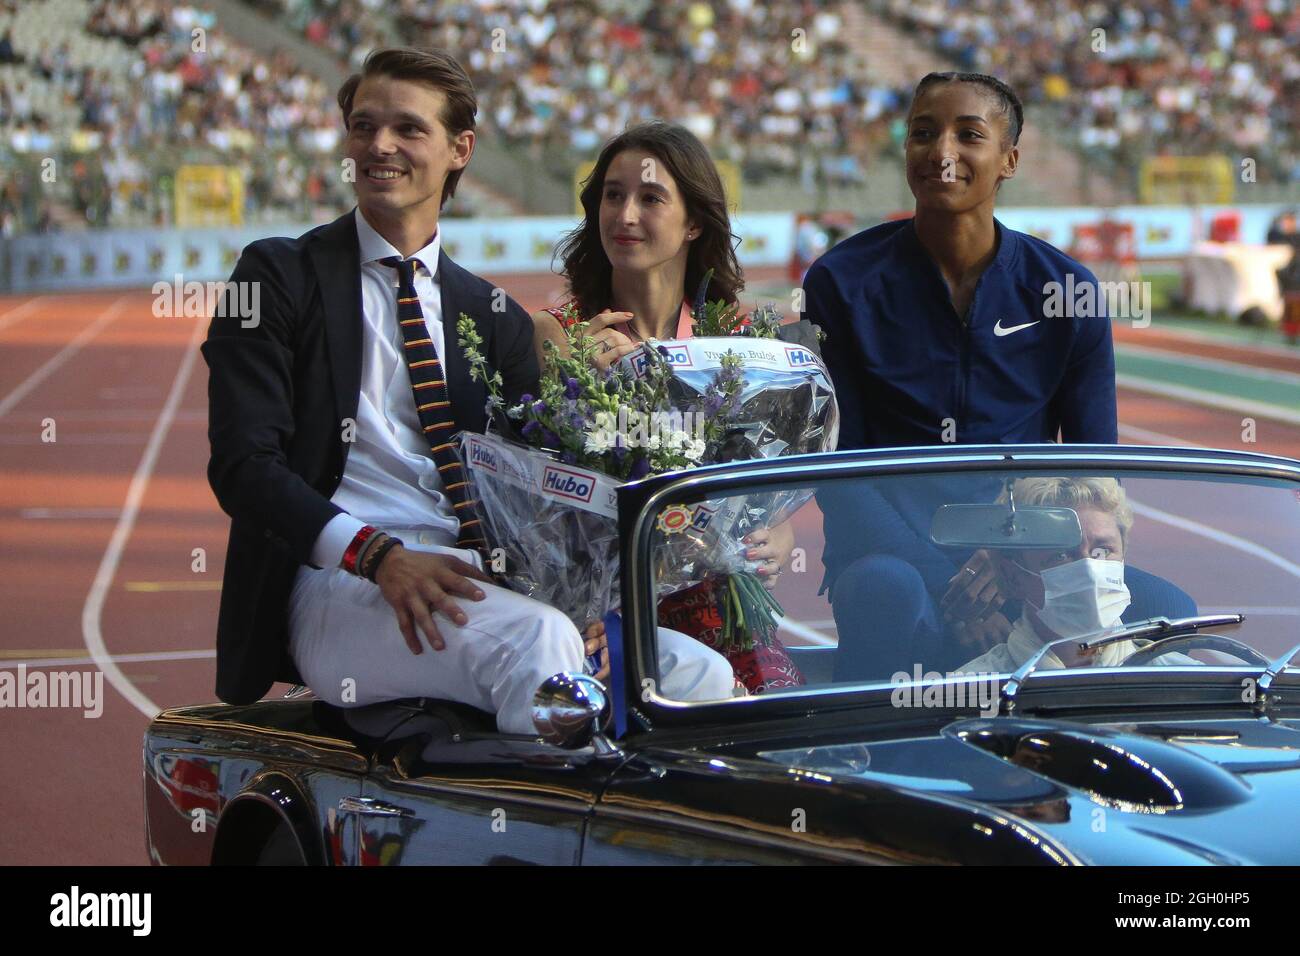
<point>655,222</point>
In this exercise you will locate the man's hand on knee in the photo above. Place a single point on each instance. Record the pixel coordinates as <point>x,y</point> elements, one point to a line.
<point>415,583</point>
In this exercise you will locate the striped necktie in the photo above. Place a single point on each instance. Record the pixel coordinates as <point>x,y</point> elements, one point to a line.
<point>429,386</point>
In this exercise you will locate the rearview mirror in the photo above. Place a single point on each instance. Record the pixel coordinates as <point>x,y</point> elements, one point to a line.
<point>998,526</point>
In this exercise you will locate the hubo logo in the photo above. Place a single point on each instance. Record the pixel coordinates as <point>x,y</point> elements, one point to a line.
<point>703,515</point>
<point>567,484</point>
<point>480,456</point>
<point>678,356</point>
<point>103,909</point>
<point>799,358</point>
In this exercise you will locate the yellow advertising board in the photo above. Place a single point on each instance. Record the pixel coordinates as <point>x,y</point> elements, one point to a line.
<point>1186,180</point>
<point>209,196</point>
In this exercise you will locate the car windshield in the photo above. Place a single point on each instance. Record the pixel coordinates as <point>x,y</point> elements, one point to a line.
<point>909,577</point>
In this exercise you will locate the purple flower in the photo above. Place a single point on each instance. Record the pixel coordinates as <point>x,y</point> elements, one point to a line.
<point>640,468</point>
<point>568,457</point>
<point>539,407</point>
<point>663,349</point>
<point>529,427</point>
<point>549,438</point>
<point>525,399</point>
<point>572,389</point>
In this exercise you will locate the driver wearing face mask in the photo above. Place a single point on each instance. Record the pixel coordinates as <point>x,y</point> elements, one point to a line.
<point>1068,593</point>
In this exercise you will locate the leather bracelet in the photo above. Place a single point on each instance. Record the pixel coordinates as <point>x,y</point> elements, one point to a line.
<point>354,549</point>
<point>380,550</point>
<point>364,554</point>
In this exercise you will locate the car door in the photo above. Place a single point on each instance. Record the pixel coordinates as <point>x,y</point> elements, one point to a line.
<point>484,798</point>
<point>672,808</point>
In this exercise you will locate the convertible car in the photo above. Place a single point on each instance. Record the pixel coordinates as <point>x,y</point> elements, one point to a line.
<point>1112,685</point>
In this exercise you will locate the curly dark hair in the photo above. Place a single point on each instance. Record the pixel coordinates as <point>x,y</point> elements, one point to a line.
<point>587,268</point>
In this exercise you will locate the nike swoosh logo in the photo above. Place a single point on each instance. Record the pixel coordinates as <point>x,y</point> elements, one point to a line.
<point>1000,329</point>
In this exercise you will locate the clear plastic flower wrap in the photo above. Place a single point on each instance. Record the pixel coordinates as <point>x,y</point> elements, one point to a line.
<point>556,524</point>
<point>786,404</point>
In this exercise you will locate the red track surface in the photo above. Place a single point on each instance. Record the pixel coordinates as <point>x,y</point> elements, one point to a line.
<point>102,367</point>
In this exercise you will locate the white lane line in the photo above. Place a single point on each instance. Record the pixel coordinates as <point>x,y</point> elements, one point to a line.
<point>1222,537</point>
<point>1217,400</point>
<point>807,633</point>
<point>116,658</point>
<point>90,614</point>
<point>18,313</point>
<point>65,353</point>
<point>1213,365</point>
<point>1227,341</point>
<point>1149,437</point>
<point>78,513</point>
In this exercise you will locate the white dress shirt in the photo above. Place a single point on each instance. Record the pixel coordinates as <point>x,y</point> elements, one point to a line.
<point>390,478</point>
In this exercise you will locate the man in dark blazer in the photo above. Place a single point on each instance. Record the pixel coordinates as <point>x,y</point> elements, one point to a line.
<point>318,454</point>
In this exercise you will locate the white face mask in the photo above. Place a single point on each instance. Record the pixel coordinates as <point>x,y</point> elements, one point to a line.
<point>1083,597</point>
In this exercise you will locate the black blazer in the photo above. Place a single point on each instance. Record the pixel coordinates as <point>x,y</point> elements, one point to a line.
<point>278,394</point>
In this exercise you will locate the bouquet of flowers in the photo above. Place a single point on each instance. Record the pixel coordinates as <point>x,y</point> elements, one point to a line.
<point>550,505</point>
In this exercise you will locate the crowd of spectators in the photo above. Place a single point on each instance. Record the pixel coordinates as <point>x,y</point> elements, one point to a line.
<point>774,88</point>
<point>771,87</point>
<point>184,98</point>
<point>1160,77</point>
<point>1164,77</point>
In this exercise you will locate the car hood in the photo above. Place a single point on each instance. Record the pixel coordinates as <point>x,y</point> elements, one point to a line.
<point>1178,791</point>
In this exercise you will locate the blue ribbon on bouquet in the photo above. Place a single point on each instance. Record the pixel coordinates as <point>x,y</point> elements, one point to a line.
<point>617,679</point>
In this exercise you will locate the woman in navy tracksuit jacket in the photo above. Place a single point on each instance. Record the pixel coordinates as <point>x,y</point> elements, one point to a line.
<point>941,328</point>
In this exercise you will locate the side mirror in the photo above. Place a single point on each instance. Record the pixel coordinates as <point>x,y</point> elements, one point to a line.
<point>997,526</point>
<point>570,710</point>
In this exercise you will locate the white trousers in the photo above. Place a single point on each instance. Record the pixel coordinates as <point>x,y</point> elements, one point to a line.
<point>344,639</point>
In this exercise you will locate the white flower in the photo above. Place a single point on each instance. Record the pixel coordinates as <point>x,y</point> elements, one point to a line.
<point>694,451</point>
<point>679,439</point>
<point>598,442</point>
<point>655,443</point>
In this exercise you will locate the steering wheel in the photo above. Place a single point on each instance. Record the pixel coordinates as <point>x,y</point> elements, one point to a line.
<point>1196,642</point>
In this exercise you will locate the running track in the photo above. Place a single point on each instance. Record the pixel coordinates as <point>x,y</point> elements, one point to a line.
<point>101,527</point>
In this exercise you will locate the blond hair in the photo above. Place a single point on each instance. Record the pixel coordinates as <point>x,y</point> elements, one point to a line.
<point>1103,494</point>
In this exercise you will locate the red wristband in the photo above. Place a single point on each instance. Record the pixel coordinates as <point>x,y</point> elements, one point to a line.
<point>350,555</point>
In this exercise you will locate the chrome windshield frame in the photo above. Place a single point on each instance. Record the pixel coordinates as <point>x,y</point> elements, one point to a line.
<point>640,503</point>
